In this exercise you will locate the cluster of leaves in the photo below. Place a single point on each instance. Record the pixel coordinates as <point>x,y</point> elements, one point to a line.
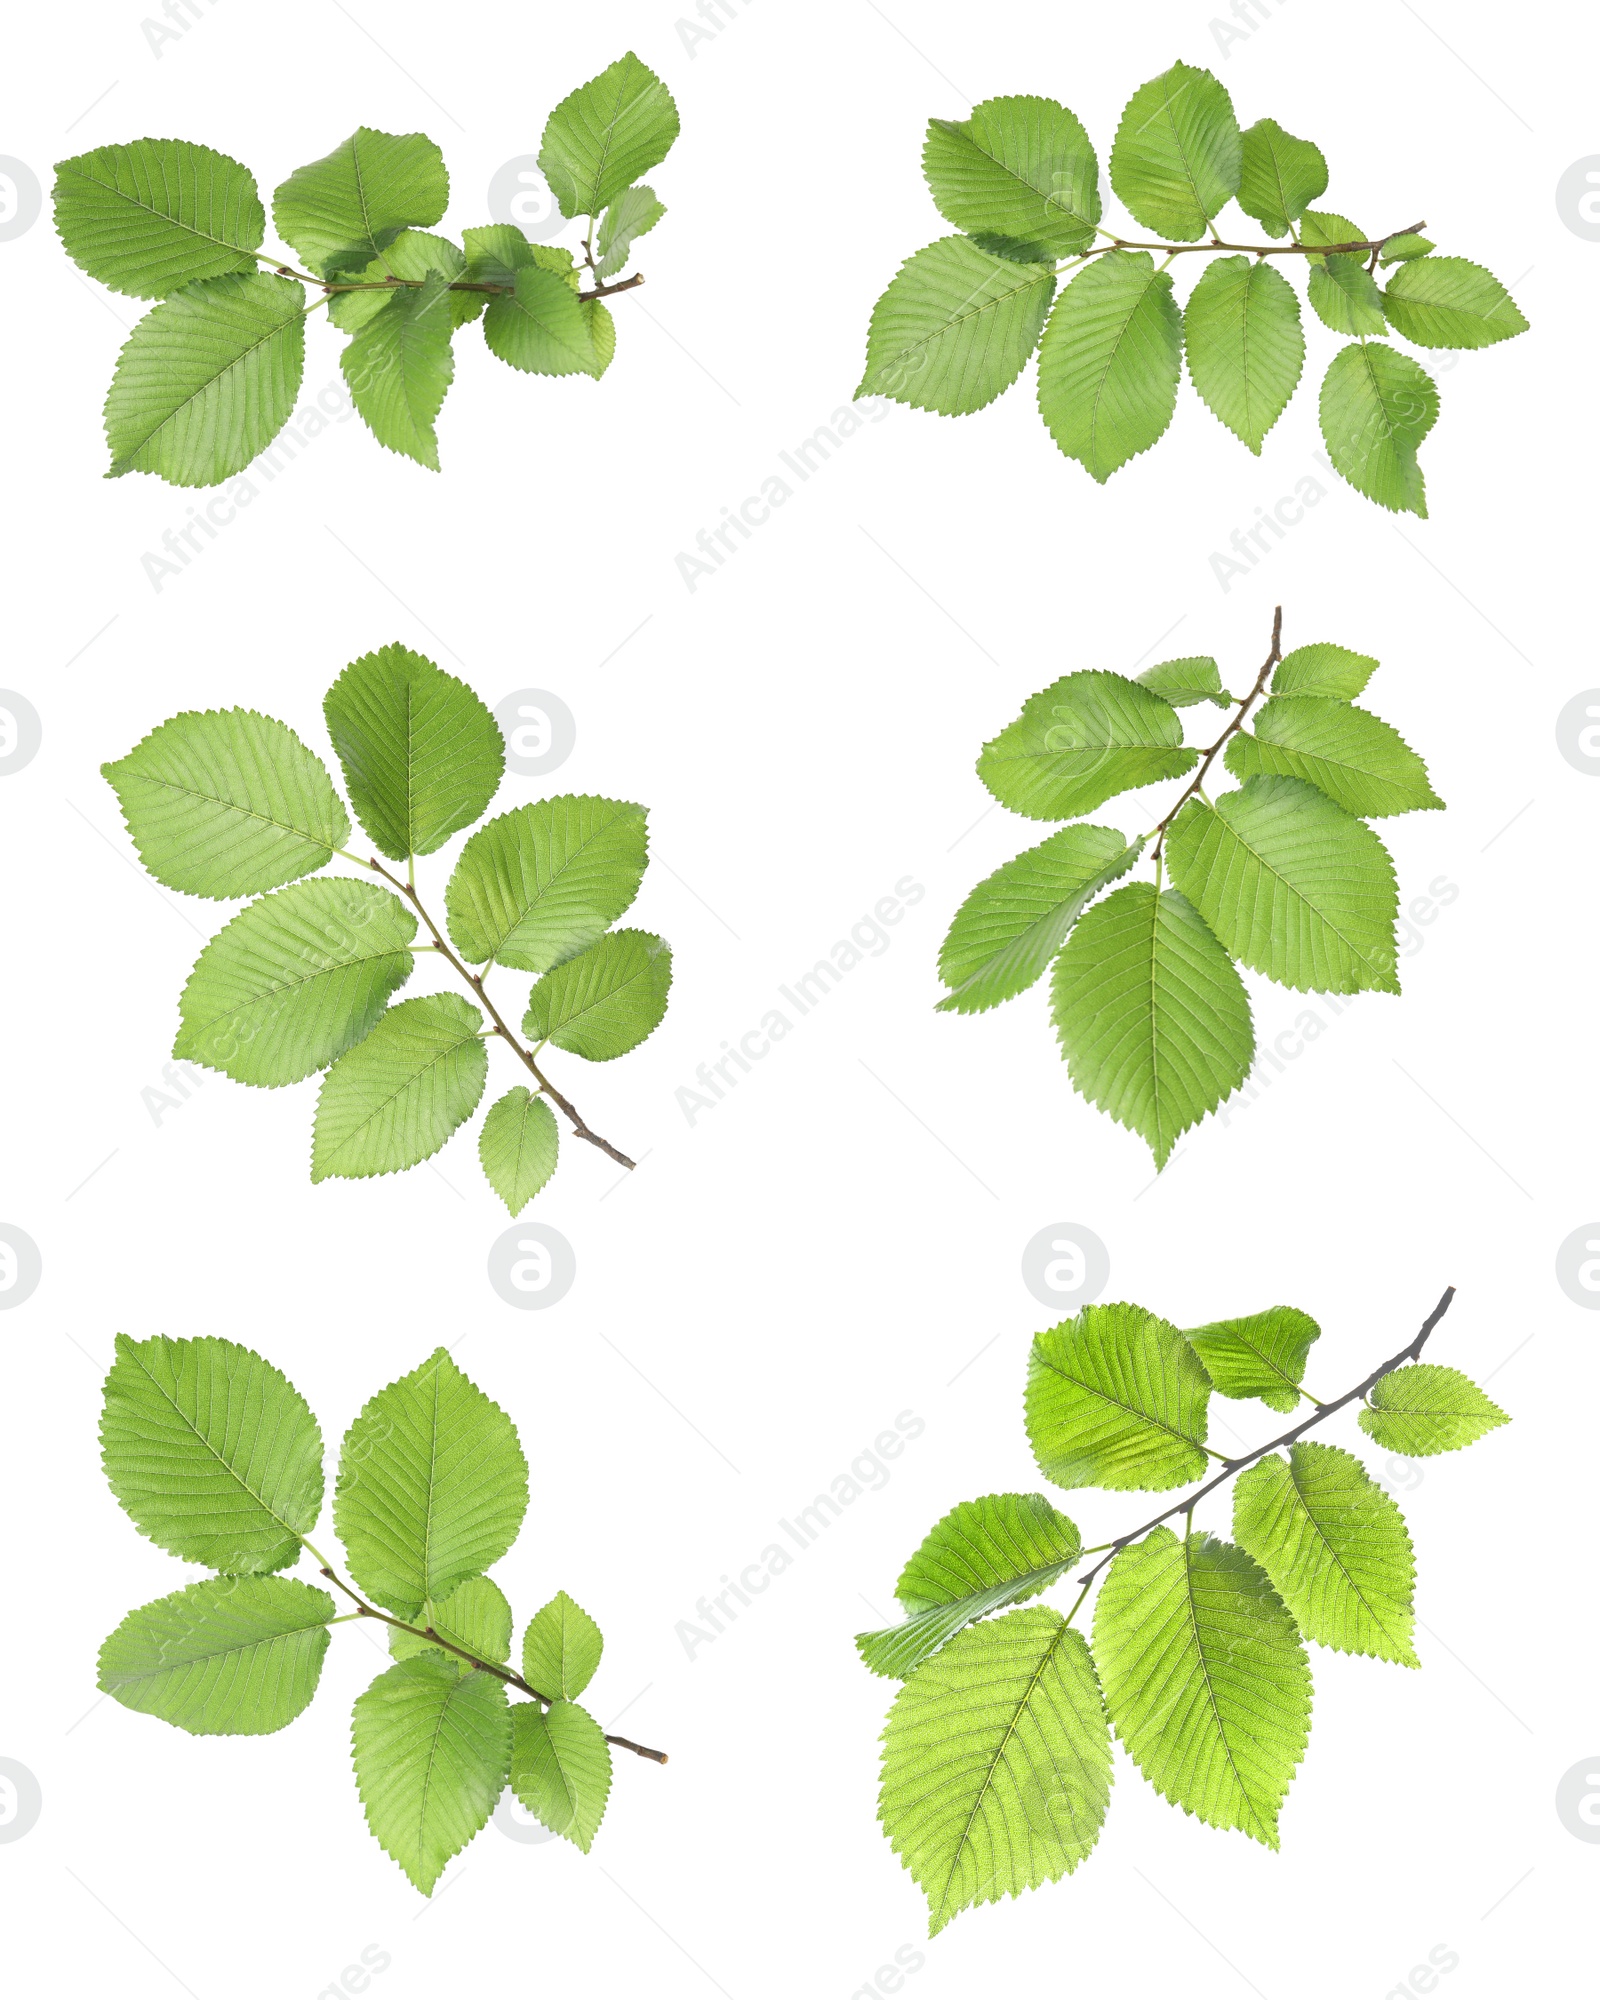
<point>208,379</point>
<point>217,1458</point>
<point>996,1769</point>
<point>228,803</point>
<point>1020,178</point>
<point>1282,874</point>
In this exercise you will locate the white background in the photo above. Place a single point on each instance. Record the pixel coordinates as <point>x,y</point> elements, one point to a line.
<point>839,1240</point>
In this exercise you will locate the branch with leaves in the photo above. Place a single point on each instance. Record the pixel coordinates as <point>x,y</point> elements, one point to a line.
<point>996,1767</point>
<point>209,378</point>
<point>1020,177</point>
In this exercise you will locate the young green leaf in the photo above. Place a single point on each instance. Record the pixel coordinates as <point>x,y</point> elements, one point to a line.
<point>1333,672</point>
<point>1178,153</point>
<point>1116,1399</point>
<point>1450,302</point>
<point>561,1649</point>
<point>1262,1355</point>
<point>1109,362</point>
<point>1322,226</point>
<point>542,329</point>
<point>497,251</point>
<point>1376,407</point>
<point>1080,741</point>
<point>1425,1409</point>
<point>1361,762</point>
<point>517,1146</point>
<point>604,1001</point>
<point>415,255</point>
<point>340,211</point>
<point>1186,682</point>
<point>537,885</point>
<point>1018,167</point>
<point>397,1096</point>
<point>399,366</point>
<point>602,334</point>
<point>1241,333</point>
<point>148,217</point>
<point>1402,248</point>
<point>475,1615</point>
<point>608,132</point>
<point>955,328</point>
<point>633,214</point>
<point>1344,295</point>
<point>561,1769</point>
<point>1279,175</point>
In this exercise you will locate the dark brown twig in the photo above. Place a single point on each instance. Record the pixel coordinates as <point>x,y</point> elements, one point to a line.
<point>1233,728</point>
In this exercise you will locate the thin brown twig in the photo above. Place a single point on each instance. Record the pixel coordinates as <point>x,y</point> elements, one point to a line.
<point>1292,249</point>
<point>1273,658</point>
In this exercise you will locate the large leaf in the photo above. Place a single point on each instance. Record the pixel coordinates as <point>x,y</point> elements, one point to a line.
<point>432,1751</point>
<point>1261,1354</point>
<point>1376,407</point>
<point>1205,1679</point>
<point>399,366</point>
<point>1186,682</point>
<point>1116,1399</point>
<point>561,1768</point>
<point>1279,175</point>
<point>1018,167</point>
<point>633,214</point>
<point>1361,762</point>
<point>984,1555</point>
<point>1292,885</point>
<point>1151,1015</point>
<point>227,803</point>
<point>432,1487</point>
<point>605,134</point>
<point>1011,926</point>
<point>213,1453</point>
<point>606,1000</point>
<point>421,754</point>
<point>1424,1409</point>
<point>518,1145</point>
<point>955,328</point>
<point>1333,672</point>
<point>294,980</point>
<point>1241,333</point>
<point>341,210</point>
<point>475,1615</point>
<point>148,217</point>
<point>1449,302</point>
<point>1080,741</point>
<point>207,379</point>
<point>536,885</point>
<point>396,1097</point>
<point>1335,1546</point>
<point>1110,360</point>
<point>541,328</point>
<point>561,1649</point>
<point>996,1763</point>
<point>229,1656</point>
<point>1177,155</point>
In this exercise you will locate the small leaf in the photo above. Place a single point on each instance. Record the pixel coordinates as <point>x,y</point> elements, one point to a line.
<point>1401,249</point>
<point>1021,167</point>
<point>399,366</point>
<point>475,1615</point>
<point>955,328</point>
<point>1358,760</point>
<point>1344,295</point>
<point>608,132</point>
<point>604,1001</point>
<point>1262,1354</point>
<point>1424,1409</point>
<point>1080,741</point>
<point>1178,153</point>
<point>341,210</point>
<point>1241,333</point>
<point>1449,302</point>
<point>518,1145</point>
<point>416,255</point>
<point>396,1097</point>
<point>159,213</point>
<point>1376,407</point>
<point>536,885</point>
<point>1109,362</point>
<point>561,1649</point>
<point>602,334</point>
<point>1185,682</point>
<point>561,1769</point>
<point>1321,669</point>
<point>1279,176</point>
<point>1322,226</point>
<point>633,214</point>
<point>1116,1399</point>
<point>541,329</point>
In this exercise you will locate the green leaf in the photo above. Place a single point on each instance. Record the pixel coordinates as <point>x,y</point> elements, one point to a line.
<point>1116,1399</point>
<point>212,1452</point>
<point>1424,1409</point>
<point>340,211</point>
<point>226,802</point>
<point>294,980</point>
<point>633,214</point>
<point>1359,761</point>
<point>608,132</point>
<point>984,1555</point>
<point>1292,886</point>
<point>1450,302</point>
<point>148,217</point>
<point>206,380</point>
<point>1109,362</point>
<point>399,366</point>
<point>1344,295</point>
<point>955,328</point>
<point>1323,226</point>
<point>996,1763</point>
<point>432,1487</point>
<point>1011,926</point>
<point>1185,682</point>
<point>1322,669</point>
<point>1206,1681</point>
<point>396,1097</point>
<point>497,251</point>
<point>606,1000</point>
<point>1401,249</point>
<point>230,1656</point>
<point>1241,332</point>
<point>561,1768</point>
<point>432,1750</point>
<point>536,885</point>
<point>1021,167</point>
<point>421,754</point>
<point>561,1649</point>
<point>602,333</point>
<point>414,254</point>
<point>1262,1354</point>
<point>475,1615</point>
<point>517,1146</point>
<point>1376,407</point>
<point>1080,741</point>
<point>1279,176</point>
<point>542,330</point>
<point>1152,1017</point>
<point>1177,156</point>
<point>1335,1546</point>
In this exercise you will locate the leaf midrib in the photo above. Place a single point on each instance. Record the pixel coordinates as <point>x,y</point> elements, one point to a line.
<point>232,805</point>
<point>1338,1561</point>
<point>1267,868</point>
<point>295,318</point>
<point>174,222</point>
<point>1144,1416</point>
<point>1211,1697</point>
<point>1052,206</point>
<point>416,1076</point>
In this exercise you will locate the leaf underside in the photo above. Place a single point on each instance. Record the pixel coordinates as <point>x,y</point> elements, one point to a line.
<point>1116,1399</point>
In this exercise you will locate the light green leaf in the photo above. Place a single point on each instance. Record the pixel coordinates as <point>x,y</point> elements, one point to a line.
<point>230,1656</point>
<point>1401,249</point>
<point>1019,167</point>
<point>421,754</point>
<point>475,1615</point>
<point>416,255</point>
<point>1241,332</point>
<point>518,1145</point>
<point>633,214</point>
<point>206,380</point>
<point>955,328</point>
<point>1152,1017</point>
<point>396,1097</point>
<point>1424,1409</point>
<point>399,366</point>
<point>1344,295</point>
<point>608,132</point>
<point>996,1763</point>
<point>1262,1354</point>
<point>1322,226</point>
<point>541,329</point>
<point>1011,926</point>
<point>1361,762</point>
<point>561,1769</point>
<point>1279,175</point>
<point>1109,362</point>
<point>606,1000</point>
<point>1322,669</point>
<point>1376,407</point>
<point>1450,302</point>
<point>1291,885</point>
<point>1080,741</point>
<point>1335,1546</point>
<point>561,1649</point>
<point>340,211</point>
<point>432,1487</point>
<point>602,333</point>
<point>1205,1679</point>
<point>1185,682</point>
<point>497,251</point>
<point>1178,152</point>
<point>212,1452</point>
<point>984,1555</point>
<point>536,885</point>
<point>432,1751</point>
<point>148,217</point>
<point>1116,1399</point>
